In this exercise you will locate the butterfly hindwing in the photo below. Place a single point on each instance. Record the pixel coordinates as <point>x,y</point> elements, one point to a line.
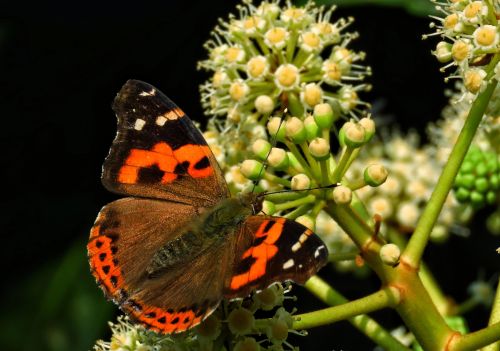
<point>158,152</point>
<point>126,236</point>
<point>272,249</point>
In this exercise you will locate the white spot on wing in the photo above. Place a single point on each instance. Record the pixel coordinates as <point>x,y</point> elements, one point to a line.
<point>317,252</point>
<point>296,246</point>
<point>303,238</point>
<point>288,264</point>
<point>139,123</point>
<point>152,92</point>
<point>161,121</point>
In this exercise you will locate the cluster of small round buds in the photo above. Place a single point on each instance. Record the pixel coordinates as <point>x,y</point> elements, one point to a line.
<point>342,195</point>
<point>241,321</point>
<point>261,148</point>
<point>469,33</point>
<point>312,128</point>
<point>269,56</point>
<point>381,206</point>
<point>407,214</point>
<point>295,130</point>
<point>478,181</point>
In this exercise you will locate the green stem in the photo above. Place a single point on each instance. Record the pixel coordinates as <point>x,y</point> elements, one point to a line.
<point>298,156</point>
<point>475,340</point>
<point>494,318</point>
<point>373,302</point>
<point>275,179</point>
<point>295,203</point>
<point>342,256</point>
<point>420,237</point>
<point>362,322</point>
<point>344,158</point>
<point>299,211</point>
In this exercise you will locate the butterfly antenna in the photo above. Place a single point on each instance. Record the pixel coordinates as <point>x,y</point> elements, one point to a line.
<point>274,140</point>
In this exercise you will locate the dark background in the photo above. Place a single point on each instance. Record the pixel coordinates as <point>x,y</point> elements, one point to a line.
<point>59,72</point>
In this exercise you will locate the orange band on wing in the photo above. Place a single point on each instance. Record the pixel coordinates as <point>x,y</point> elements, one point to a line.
<point>262,253</point>
<point>162,156</point>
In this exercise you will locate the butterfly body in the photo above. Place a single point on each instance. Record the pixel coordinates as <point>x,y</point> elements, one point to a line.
<point>178,243</point>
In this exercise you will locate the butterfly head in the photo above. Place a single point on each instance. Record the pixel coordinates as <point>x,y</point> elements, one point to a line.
<point>253,201</point>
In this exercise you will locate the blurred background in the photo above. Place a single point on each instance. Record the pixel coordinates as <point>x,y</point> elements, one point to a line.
<point>60,71</point>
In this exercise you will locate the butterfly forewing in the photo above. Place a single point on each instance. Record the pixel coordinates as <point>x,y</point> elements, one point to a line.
<point>158,152</point>
<point>272,249</point>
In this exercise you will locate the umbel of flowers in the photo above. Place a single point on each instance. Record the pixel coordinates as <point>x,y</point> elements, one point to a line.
<point>470,38</point>
<point>269,58</point>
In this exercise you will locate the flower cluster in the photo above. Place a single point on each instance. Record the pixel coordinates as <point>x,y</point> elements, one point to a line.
<point>470,39</point>
<point>234,323</point>
<point>270,58</point>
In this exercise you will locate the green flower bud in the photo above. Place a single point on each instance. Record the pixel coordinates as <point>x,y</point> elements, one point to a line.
<point>467,167</point>
<point>369,126</point>
<point>295,130</point>
<point>293,161</point>
<point>342,195</point>
<point>354,134</point>
<point>323,115</point>
<point>491,197</point>
<point>273,125</point>
<point>481,169</point>
<point>389,254</point>
<point>375,175</point>
<point>241,321</point>
<point>443,52</point>
<point>268,207</point>
<point>252,169</point>
<point>439,234</point>
<point>481,185</point>
<point>477,199</point>
<point>319,149</point>
<point>312,129</point>
<point>247,344</point>
<point>466,181</point>
<point>278,158</point>
<point>462,194</point>
<point>261,148</point>
<point>300,182</point>
<point>494,181</point>
<point>285,316</point>
<point>307,221</point>
<point>277,331</point>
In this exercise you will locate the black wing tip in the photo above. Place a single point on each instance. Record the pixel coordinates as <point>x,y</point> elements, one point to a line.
<point>134,90</point>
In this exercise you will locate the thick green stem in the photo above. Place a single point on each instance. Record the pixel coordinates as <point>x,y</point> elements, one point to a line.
<point>475,340</point>
<point>420,237</point>
<point>362,322</point>
<point>494,318</point>
<point>373,302</point>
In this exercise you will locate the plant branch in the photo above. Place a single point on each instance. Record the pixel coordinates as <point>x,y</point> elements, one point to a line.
<point>494,318</point>
<point>420,237</point>
<point>362,322</point>
<point>475,340</point>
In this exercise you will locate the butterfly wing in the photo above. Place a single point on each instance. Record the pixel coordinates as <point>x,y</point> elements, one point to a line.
<point>123,241</point>
<point>158,152</point>
<point>272,249</point>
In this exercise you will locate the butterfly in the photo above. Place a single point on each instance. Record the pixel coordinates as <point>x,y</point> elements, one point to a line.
<point>179,243</point>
